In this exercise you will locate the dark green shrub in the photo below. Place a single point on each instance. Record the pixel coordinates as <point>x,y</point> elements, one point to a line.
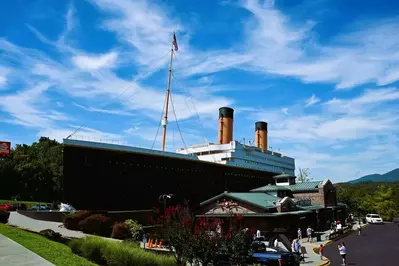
<point>75,245</point>
<point>71,221</point>
<point>4,215</point>
<point>50,234</point>
<point>121,231</point>
<point>97,224</point>
<point>135,229</point>
<point>91,248</point>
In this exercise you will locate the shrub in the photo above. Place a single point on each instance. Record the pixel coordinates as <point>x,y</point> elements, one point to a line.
<point>121,231</point>
<point>113,253</point>
<point>91,248</point>
<point>135,228</point>
<point>4,217</point>
<point>50,234</point>
<point>71,221</point>
<point>97,224</point>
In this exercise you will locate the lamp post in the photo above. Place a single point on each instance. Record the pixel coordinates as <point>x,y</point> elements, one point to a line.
<point>163,199</point>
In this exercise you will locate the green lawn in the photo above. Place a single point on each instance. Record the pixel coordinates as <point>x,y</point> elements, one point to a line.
<point>57,253</point>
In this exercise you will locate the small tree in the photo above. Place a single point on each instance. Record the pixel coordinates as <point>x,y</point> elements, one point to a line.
<point>303,175</point>
<point>177,227</point>
<point>206,242</point>
<point>237,241</point>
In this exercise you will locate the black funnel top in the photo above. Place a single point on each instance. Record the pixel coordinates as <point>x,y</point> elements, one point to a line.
<point>260,126</point>
<point>226,112</point>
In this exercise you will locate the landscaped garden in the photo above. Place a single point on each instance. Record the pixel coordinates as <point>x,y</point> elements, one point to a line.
<point>56,253</point>
<point>197,241</point>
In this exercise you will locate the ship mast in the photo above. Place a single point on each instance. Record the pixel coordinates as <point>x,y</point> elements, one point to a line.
<point>165,119</point>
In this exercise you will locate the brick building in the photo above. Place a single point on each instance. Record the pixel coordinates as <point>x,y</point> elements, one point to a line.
<point>284,204</point>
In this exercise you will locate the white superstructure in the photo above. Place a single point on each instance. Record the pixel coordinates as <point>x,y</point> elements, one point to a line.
<point>237,154</point>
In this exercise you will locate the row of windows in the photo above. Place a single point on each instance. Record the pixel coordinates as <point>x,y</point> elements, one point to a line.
<point>274,167</point>
<point>268,159</point>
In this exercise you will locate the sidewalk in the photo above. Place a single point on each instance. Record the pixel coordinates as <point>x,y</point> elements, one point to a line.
<point>13,254</point>
<point>312,258</point>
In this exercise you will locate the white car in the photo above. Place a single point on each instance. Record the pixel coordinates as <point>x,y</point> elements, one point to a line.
<point>374,219</point>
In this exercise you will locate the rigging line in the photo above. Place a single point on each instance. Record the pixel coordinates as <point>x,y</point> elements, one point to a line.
<point>127,88</point>
<point>195,109</point>
<point>191,96</point>
<point>159,126</point>
<point>192,101</point>
<point>177,123</point>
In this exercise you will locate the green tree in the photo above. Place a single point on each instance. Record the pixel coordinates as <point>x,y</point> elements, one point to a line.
<point>303,175</point>
<point>33,172</point>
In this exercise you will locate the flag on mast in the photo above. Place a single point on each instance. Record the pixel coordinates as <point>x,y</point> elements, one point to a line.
<point>174,42</point>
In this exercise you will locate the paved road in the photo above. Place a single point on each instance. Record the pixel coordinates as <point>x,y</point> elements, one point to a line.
<point>377,246</point>
<point>13,254</point>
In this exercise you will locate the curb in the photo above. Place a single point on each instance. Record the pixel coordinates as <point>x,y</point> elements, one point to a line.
<point>327,261</point>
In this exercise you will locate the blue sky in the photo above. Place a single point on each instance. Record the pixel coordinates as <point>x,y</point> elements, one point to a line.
<point>323,73</point>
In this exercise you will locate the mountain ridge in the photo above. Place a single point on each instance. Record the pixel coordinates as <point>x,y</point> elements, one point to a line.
<point>390,176</point>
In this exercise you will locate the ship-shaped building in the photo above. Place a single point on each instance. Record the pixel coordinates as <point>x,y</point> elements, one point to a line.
<point>100,176</point>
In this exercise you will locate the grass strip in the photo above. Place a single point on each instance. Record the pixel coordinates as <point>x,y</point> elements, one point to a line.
<point>56,253</point>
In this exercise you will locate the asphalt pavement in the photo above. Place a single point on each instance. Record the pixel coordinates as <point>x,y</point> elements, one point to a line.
<point>377,246</point>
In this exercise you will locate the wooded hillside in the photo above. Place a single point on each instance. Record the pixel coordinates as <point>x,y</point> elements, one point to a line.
<point>371,197</point>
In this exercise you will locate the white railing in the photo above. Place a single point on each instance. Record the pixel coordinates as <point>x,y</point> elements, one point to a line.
<point>100,140</point>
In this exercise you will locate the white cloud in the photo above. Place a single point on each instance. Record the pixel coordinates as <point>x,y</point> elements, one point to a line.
<point>342,119</point>
<point>87,62</point>
<point>106,111</point>
<point>144,25</point>
<point>3,76</point>
<point>25,109</point>
<point>312,100</point>
<point>275,45</point>
<point>84,133</point>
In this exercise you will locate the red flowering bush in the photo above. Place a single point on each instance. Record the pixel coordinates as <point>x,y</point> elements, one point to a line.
<point>202,240</point>
<point>177,224</point>
<point>207,241</point>
<point>237,241</point>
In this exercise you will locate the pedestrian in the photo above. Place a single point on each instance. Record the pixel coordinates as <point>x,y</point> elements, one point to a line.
<point>276,242</point>
<point>309,233</point>
<point>299,233</point>
<point>342,252</point>
<point>359,230</point>
<point>258,233</point>
<point>321,251</point>
<point>293,245</point>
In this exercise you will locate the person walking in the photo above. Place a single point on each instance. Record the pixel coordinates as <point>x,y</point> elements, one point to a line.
<point>359,230</point>
<point>299,234</point>
<point>309,233</point>
<point>342,252</point>
<point>321,251</point>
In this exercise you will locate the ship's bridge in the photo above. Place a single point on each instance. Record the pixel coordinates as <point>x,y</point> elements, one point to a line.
<point>241,155</point>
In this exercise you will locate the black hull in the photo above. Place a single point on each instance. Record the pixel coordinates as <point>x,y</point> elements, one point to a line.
<point>99,179</point>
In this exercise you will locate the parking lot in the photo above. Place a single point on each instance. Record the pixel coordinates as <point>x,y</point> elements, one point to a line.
<point>377,246</point>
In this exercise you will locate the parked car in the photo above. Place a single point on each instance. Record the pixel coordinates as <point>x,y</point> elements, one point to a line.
<point>6,207</point>
<point>374,219</point>
<point>272,256</point>
<point>40,207</point>
<point>395,220</point>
